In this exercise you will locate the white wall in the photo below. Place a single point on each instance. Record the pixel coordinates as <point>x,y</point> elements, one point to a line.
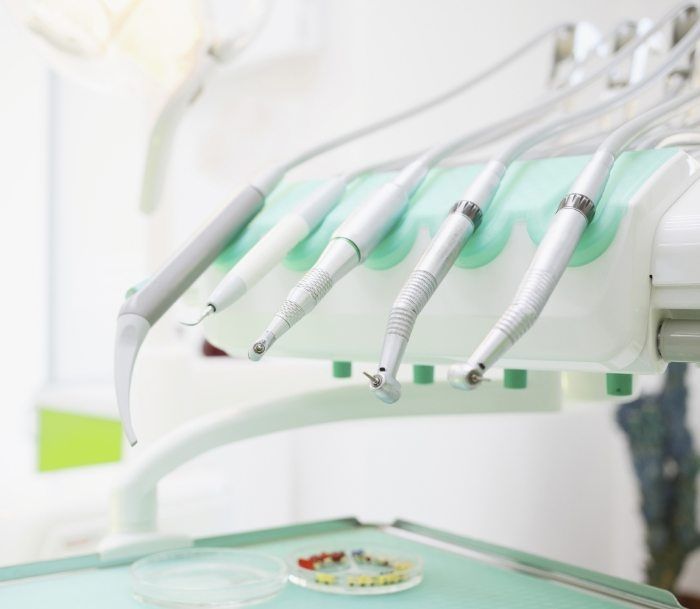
<point>24,176</point>
<point>558,484</point>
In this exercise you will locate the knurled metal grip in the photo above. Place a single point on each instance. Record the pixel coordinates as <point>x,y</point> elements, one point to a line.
<point>410,302</point>
<point>581,203</point>
<point>468,209</point>
<point>316,282</point>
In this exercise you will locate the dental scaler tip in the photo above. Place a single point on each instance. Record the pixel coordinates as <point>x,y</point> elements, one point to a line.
<point>206,313</point>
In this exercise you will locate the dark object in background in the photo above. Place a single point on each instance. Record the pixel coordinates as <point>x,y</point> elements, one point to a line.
<point>666,466</point>
<point>209,350</point>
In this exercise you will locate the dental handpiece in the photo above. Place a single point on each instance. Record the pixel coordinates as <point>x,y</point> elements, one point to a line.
<point>463,219</point>
<point>349,246</point>
<point>574,214</point>
<point>145,308</point>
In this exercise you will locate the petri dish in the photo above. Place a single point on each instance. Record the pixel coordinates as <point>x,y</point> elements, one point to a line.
<point>355,571</point>
<point>207,578</point>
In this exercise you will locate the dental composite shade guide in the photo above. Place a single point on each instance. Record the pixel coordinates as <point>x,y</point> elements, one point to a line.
<point>464,218</point>
<point>144,308</point>
<point>574,214</point>
<point>359,234</point>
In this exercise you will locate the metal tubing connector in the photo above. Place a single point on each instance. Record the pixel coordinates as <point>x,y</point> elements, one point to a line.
<point>470,210</point>
<point>581,203</point>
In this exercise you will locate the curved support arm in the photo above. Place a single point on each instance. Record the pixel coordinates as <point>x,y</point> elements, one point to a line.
<point>134,501</point>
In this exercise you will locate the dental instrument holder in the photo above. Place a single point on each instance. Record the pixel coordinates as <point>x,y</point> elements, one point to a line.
<point>633,277</point>
<point>603,317</point>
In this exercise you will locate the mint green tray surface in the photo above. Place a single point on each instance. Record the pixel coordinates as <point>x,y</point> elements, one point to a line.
<point>530,193</point>
<point>450,582</point>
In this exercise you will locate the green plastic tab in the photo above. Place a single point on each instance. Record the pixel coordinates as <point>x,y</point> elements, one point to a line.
<point>423,375</point>
<point>514,379</point>
<point>529,195</point>
<point>619,384</point>
<point>342,370</point>
<point>68,440</point>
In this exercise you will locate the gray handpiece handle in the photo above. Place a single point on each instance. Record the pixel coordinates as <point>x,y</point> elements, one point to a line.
<point>178,274</point>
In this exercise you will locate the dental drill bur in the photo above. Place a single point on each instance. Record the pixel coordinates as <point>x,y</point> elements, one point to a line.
<point>573,216</point>
<point>460,224</point>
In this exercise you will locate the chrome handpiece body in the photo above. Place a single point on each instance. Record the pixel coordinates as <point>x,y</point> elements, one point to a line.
<point>574,214</point>
<point>350,244</point>
<point>546,269</point>
<point>461,222</point>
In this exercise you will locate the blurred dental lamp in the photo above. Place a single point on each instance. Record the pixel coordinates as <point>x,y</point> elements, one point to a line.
<point>162,50</point>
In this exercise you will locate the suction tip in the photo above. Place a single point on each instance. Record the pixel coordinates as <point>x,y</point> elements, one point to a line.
<point>131,332</point>
<point>206,313</point>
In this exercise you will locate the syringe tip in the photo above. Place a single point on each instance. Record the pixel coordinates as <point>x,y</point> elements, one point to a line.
<point>207,312</point>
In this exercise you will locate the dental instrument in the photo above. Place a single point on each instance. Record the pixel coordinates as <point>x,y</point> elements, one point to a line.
<point>464,219</point>
<point>144,308</point>
<point>357,236</point>
<point>292,228</point>
<point>574,214</point>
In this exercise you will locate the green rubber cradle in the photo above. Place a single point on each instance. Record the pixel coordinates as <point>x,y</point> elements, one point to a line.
<point>514,379</point>
<point>619,384</point>
<point>423,375</point>
<point>529,194</point>
<point>342,370</point>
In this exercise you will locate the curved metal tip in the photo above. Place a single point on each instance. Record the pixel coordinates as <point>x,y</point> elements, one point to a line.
<point>207,312</point>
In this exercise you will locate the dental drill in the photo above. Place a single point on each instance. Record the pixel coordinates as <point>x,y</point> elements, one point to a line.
<point>464,219</point>
<point>359,234</point>
<point>575,213</point>
<point>144,308</point>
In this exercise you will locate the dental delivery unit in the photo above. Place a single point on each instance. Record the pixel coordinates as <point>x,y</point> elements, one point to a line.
<point>552,253</point>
